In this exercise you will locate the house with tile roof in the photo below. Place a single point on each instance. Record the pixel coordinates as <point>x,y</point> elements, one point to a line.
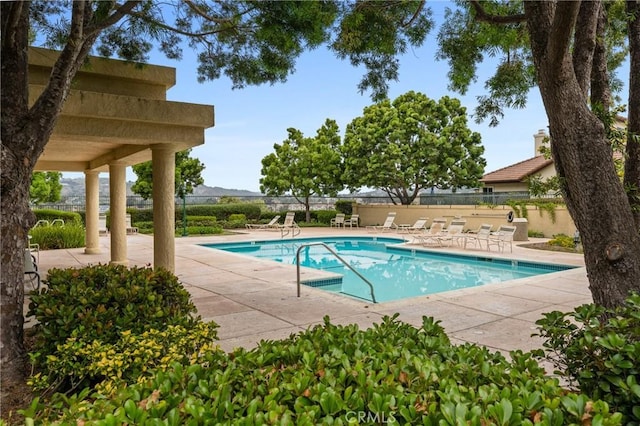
<point>513,178</point>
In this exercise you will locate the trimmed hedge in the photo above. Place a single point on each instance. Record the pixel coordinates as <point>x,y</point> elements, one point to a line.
<point>50,215</point>
<point>391,373</point>
<point>71,235</point>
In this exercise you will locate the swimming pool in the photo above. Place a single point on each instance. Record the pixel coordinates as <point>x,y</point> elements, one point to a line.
<point>395,272</point>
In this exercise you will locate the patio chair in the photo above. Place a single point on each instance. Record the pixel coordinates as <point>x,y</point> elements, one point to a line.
<point>440,220</point>
<point>419,226</point>
<point>354,220</point>
<point>289,226</point>
<point>31,269</point>
<point>130,229</point>
<point>388,224</point>
<point>478,236</point>
<point>429,235</point>
<point>57,222</point>
<point>273,224</point>
<point>102,225</point>
<point>338,221</point>
<point>454,233</point>
<point>502,237</point>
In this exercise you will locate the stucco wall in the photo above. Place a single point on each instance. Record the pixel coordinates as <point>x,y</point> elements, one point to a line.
<point>538,220</point>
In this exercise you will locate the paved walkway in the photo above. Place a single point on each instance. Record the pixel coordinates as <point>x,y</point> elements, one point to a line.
<point>252,299</point>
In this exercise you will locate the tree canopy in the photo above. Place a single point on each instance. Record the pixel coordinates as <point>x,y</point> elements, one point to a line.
<point>305,166</point>
<point>411,144</point>
<point>570,51</point>
<point>563,47</point>
<point>45,187</point>
<point>250,42</point>
<point>188,176</point>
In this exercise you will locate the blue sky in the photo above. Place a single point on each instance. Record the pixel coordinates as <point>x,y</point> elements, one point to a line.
<point>249,121</point>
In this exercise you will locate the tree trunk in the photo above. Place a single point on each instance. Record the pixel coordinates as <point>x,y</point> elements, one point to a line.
<point>15,223</point>
<point>25,131</point>
<point>583,158</point>
<point>632,163</point>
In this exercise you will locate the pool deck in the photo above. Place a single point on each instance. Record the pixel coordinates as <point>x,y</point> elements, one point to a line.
<point>252,299</point>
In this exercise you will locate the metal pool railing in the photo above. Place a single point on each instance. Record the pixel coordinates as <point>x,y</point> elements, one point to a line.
<point>373,297</point>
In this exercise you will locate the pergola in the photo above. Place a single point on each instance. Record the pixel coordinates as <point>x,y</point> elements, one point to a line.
<point>115,116</point>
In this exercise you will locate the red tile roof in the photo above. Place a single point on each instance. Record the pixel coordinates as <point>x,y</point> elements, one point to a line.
<point>517,172</point>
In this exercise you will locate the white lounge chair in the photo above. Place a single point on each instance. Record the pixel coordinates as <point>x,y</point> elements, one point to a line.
<point>338,221</point>
<point>354,220</point>
<point>430,235</point>
<point>454,233</point>
<point>477,237</point>
<point>502,237</point>
<point>388,224</point>
<point>273,224</point>
<point>289,226</point>
<point>419,226</point>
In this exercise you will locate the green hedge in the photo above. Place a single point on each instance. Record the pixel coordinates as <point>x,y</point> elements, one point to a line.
<point>71,235</point>
<point>345,206</point>
<point>51,215</point>
<point>223,211</point>
<point>99,304</point>
<point>598,349</point>
<point>391,373</point>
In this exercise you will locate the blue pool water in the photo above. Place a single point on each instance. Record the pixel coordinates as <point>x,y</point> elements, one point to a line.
<point>396,272</point>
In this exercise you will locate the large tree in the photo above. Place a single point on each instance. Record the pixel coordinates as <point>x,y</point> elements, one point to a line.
<point>250,42</point>
<point>569,49</point>
<point>188,175</point>
<point>411,144</point>
<point>305,166</point>
<point>45,187</point>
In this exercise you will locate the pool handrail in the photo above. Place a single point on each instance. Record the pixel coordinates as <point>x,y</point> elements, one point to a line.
<point>373,297</point>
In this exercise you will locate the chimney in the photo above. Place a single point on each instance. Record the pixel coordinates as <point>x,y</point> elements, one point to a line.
<point>538,139</point>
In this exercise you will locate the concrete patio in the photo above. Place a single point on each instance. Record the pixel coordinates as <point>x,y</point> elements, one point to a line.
<point>252,299</point>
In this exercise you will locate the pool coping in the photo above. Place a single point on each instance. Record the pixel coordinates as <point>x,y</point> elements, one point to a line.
<point>320,278</point>
<point>256,299</point>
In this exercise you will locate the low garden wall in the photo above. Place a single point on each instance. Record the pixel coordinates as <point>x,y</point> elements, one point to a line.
<point>540,221</point>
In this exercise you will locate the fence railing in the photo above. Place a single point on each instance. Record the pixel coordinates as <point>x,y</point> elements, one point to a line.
<point>77,203</point>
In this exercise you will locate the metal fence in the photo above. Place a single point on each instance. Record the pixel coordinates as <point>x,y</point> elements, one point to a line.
<point>276,204</point>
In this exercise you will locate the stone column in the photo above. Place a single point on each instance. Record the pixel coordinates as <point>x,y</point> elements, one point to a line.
<point>118,211</point>
<point>163,165</point>
<point>92,210</point>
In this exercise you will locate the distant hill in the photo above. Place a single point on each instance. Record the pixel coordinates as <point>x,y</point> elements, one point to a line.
<point>73,187</point>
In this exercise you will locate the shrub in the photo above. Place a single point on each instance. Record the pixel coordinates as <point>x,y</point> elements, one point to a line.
<point>223,211</point>
<point>71,235</point>
<point>145,227</point>
<point>99,302</point>
<point>535,234</point>
<point>599,349</point>
<point>50,215</point>
<point>345,206</point>
<point>325,216</point>
<point>562,240</point>
<point>200,220</point>
<point>201,230</point>
<point>131,358</point>
<point>332,374</point>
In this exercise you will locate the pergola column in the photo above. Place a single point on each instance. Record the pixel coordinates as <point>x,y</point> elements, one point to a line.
<point>91,208</point>
<point>118,211</point>
<point>163,165</point>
